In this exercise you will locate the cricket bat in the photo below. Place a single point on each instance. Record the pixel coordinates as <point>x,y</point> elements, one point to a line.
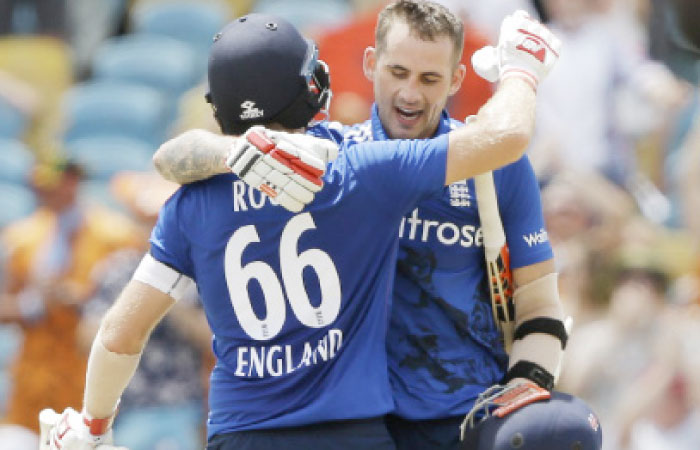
<point>498,271</point>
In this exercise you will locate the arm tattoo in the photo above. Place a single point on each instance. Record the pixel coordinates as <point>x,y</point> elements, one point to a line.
<point>192,156</point>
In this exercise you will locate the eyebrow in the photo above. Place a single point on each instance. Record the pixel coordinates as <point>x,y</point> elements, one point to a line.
<point>429,74</point>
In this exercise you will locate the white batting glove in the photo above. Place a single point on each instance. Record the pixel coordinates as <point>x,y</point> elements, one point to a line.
<point>526,49</point>
<point>287,167</point>
<point>75,431</point>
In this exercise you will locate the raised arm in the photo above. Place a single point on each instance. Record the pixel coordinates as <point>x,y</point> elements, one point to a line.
<point>501,131</point>
<point>498,135</point>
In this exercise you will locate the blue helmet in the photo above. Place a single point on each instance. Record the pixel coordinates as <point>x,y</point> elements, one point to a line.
<point>563,422</point>
<point>262,70</point>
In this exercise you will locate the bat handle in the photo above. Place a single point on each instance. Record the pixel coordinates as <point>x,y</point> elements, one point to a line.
<point>47,419</point>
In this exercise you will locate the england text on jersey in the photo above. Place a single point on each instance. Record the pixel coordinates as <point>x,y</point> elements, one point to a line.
<point>277,360</point>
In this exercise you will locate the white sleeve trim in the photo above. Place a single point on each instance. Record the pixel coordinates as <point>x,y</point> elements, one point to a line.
<point>162,277</point>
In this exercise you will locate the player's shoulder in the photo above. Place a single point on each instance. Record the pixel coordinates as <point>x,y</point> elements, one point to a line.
<point>198,190</point>
<point>358,133</point>
<point>343,134</point>
<point>340,133</point>
<point>453,123</point>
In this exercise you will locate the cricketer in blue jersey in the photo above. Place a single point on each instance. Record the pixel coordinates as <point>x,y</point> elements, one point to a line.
<point>298,302</point>
<point>444,348</point>
<point>443,345</point>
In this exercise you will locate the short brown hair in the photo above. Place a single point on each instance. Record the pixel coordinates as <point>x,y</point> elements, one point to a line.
<point>428,20</point>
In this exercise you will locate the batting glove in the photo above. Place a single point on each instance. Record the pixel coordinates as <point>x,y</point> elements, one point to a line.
<point>287,167</point>
<point>499,401</point>
<point>74,431</point>
<point>526,49</point>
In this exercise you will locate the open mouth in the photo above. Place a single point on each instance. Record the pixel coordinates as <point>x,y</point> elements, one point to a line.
<point>408,116</point>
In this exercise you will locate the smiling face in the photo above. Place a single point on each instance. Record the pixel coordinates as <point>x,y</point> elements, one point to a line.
<point>413,79</point>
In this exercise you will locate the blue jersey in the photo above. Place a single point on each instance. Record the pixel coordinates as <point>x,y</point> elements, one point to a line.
<point>299,303</point>
<point>443,345</point>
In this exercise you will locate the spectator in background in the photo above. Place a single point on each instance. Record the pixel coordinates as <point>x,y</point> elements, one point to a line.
<point>489,15</point>
<point>51,254</point>
<point>660,409</point>
<point>33,16</point>
<point>585,216</point>
<point>579,124</point>
<point>90,23</point>
<point>168,387</point>
<point>604,355</point>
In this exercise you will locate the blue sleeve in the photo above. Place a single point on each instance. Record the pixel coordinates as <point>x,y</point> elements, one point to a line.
<point>333,131</point>
<point>169,244</point>
<point>520,206</point>
<point>400,173</point>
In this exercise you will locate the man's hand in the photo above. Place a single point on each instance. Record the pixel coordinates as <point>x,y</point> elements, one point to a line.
<point>499,401</point>
<point>287,167</point>
<point>72,431</point>
<point>526,49</point>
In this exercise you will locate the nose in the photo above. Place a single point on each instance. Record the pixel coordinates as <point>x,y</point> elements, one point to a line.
<point>409,93</point>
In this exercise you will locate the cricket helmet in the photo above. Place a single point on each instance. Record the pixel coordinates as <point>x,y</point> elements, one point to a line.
<point>262,70</point>
<point>563,422</point>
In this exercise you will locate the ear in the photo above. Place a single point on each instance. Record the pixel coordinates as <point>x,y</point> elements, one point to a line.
<point>369,62</point>
<point>457,78</point>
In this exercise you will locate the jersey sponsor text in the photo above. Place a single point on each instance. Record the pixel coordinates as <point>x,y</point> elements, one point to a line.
<point>447,233</point>
<point>538,237</point>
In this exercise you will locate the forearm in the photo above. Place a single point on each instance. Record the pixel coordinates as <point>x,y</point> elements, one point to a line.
<point>540,334</point>
<point>498,135</point>
<point>108,374</point>
<point>117,348</point>
<point>192,156</point>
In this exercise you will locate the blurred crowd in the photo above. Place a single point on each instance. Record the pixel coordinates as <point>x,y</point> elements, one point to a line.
<point>88,90</point>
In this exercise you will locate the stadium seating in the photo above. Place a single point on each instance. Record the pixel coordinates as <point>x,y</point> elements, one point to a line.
<point>189,21</point>
<point>16,201</point>
<point>192,22</point>
<point>114,108</point>
<point>161,62</point>
<point>16,161</point>
<point>103,156</point>
<point>12,121</point>
<point>44,63</point>
<point>306,14</point>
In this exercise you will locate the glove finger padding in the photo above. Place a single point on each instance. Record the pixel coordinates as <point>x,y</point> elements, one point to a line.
<point>288,202</point>
<point>322,149</point>
<point>526,48</point>
<point>286,167</point>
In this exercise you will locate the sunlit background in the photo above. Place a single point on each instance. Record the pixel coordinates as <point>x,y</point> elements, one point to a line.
<point>90,88</point>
